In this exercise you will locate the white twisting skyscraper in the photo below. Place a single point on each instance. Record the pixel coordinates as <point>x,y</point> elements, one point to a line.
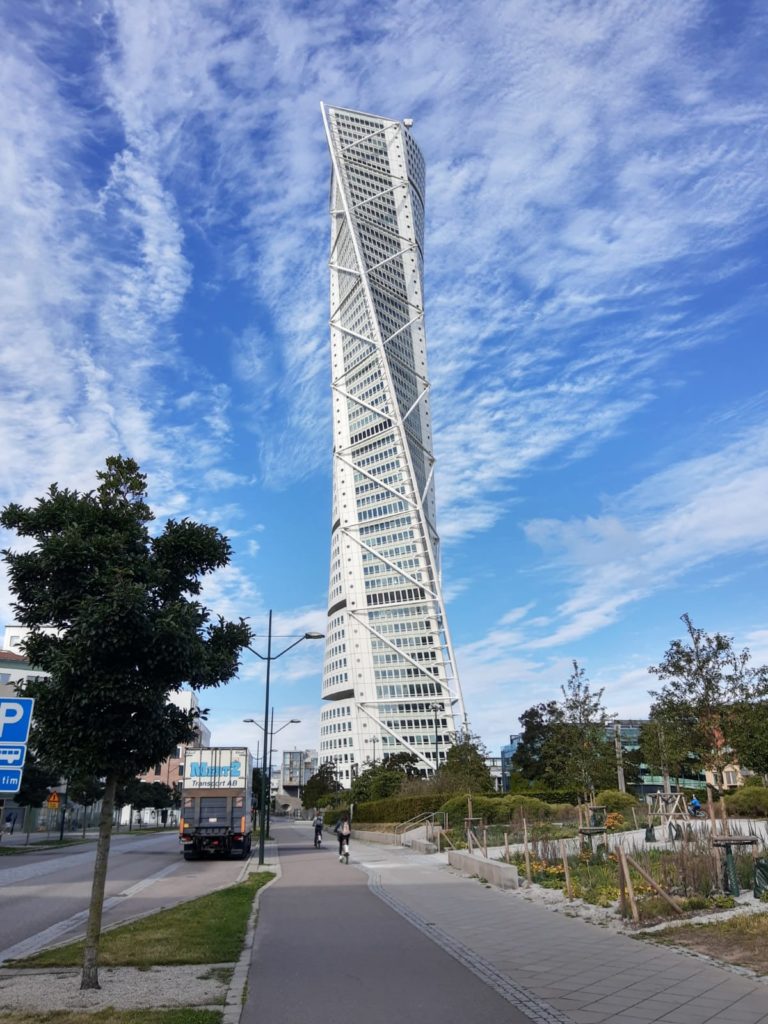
<point>389,681</point>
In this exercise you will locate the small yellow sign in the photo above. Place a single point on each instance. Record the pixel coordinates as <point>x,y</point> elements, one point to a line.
<point>53,801</point>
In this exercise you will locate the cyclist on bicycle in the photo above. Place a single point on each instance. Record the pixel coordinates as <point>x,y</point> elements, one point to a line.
<point>317,823</point>
<point>343,829</point>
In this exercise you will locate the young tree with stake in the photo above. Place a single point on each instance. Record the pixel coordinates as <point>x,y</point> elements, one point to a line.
<point>129,631</point>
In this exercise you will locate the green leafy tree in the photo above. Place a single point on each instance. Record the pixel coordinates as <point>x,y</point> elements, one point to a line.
<point>384,779</point>
<point>537,722</point>
<point>665,745</point>
<point>578,753</point>
<point>464,769</point>
<point>320,785</point>
<point>749,730</point>
<point>714,690</point>
<point>128,629</point>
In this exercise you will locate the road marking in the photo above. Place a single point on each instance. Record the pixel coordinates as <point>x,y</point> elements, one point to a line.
<point>10,875</point>
<point>50,936</point>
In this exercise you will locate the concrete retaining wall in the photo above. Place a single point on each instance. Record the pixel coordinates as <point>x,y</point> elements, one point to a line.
<point>422,846</point>
<point>388,838</point>
<point>494,871</point>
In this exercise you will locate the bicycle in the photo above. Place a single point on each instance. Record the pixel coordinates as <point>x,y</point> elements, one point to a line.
<point>318,838</point>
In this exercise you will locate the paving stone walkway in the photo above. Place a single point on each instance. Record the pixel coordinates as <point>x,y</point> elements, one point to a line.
<point>547,965</point>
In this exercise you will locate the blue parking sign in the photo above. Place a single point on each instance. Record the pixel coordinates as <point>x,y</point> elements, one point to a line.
<point>15,719</point>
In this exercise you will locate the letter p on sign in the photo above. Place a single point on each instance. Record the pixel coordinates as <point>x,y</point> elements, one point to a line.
<point>10,713</point>
<point>15,719</point>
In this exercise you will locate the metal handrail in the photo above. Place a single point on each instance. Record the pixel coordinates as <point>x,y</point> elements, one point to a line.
<point>426,818</point>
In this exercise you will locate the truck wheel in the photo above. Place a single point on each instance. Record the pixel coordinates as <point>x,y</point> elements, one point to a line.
<point>190,855</point>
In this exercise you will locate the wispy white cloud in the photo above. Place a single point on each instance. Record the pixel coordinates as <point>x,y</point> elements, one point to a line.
<point>692,513</point>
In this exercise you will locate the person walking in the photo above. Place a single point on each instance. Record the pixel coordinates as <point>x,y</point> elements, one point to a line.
<point>343,830</point>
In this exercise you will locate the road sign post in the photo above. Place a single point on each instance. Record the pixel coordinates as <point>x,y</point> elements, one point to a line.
<point>15,720</point>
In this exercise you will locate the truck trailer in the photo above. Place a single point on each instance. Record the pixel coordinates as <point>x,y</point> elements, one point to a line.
<point>216,813</point>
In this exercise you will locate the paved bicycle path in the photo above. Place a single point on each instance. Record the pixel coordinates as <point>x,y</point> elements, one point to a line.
<point>546,966</point>
<point>326,949</point>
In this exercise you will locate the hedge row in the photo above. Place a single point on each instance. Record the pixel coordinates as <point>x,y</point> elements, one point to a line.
<point>393,809</point>
<point>751,801</point>
<point>494,809</point>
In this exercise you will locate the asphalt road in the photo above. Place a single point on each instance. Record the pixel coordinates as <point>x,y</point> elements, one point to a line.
<point>328,950</point>
<point>44,896</point>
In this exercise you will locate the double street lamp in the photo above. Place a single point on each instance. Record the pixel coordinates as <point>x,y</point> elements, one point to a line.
<point>269,657</point>
<point>272,733</point>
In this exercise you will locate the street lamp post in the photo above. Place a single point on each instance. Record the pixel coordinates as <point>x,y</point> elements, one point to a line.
<point>272,733</point>
<point>436,707</point>
<point>269,658</point>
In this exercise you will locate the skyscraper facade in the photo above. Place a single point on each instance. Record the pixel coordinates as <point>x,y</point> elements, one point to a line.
<point>389,681</point>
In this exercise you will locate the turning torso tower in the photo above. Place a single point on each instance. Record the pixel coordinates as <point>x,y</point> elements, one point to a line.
<point>389,680</point>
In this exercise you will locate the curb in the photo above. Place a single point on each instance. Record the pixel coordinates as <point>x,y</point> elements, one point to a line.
<point>235,1000</point>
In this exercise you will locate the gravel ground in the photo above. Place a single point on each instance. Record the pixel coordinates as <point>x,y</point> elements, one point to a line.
<point>126,988</point>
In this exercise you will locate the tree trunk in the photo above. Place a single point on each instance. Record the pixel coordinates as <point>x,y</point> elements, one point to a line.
<point>90,977</point>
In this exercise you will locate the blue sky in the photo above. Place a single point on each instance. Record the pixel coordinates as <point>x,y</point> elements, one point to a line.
<point>596,309</point>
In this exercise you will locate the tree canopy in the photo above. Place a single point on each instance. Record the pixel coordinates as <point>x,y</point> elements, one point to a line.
<point>565,744</point>
<point>386,778</point>
<point>716,696</point>
<point>464,769</point>
<point>320,785</point>
<point>127,631</point>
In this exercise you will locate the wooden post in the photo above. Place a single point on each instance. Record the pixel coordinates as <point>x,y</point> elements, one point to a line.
<point>654,884</point>
<point>485,841</point>
<point>630,886</point>
<point>723,809</point>
<point>634,817</point>
<point>506,847</point>
<point>622,887</point>
<point>527,853</point>
<point>566,868</point>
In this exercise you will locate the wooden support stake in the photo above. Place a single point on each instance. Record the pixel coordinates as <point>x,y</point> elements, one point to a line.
<point>654,884</point>
<point>566,868</point>
<point>485,842</point>
<point>506,847</point>
<point>634,816</point>
<point>630,886</point>
<point>622,888</point>
<point>527,853</point>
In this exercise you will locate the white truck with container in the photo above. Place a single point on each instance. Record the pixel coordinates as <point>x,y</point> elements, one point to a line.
<point>216,813</point>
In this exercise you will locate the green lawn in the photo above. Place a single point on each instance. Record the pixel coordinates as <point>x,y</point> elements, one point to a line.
<point>208,930</point>
<point>184,1015</point>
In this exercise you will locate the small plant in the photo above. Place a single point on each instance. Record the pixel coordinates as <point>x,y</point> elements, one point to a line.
<point>614,821</point>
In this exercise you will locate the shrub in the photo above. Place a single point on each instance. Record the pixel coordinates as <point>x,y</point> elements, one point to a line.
<point>530,807</point>
<point>754,780</point>
<point>486,807</point>
<point>395,808</point>
<point>615,800</point>
<point>555,796</point>
<point>749,802</point>
<point>614,821</point>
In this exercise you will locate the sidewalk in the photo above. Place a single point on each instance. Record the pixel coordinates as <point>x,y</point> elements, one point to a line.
<point>548,966</point>
<point>327,950</point>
